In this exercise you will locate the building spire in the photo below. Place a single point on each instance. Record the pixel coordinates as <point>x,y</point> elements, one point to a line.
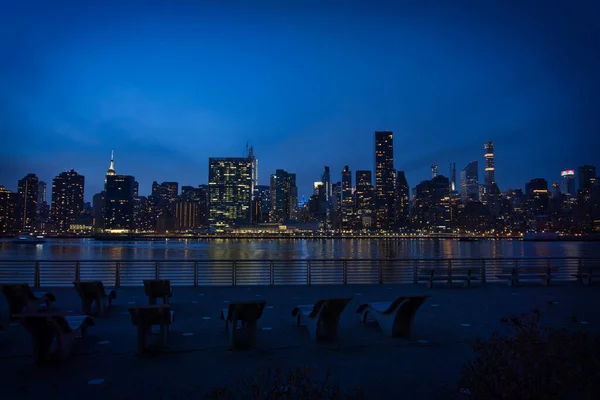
<point>111,168</point>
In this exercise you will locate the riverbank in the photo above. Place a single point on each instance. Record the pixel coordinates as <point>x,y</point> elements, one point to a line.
<point>198,359</point>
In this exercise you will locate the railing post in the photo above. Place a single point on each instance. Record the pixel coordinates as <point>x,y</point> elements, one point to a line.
<point>483,270</point>
<point>415,271</point>
<point>380,272</point>
<point>118,274</point>
<point>36,274</point>
<point>233,273</point>
<point>307,273</point>
<point>156,270</point>
<point>345,271</point>
<point>271,273</point>
<point>195,273</point>
<point>77,271</point>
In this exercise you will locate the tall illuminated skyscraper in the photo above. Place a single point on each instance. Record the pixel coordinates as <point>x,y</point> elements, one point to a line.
<point>67,199</point>
<point>230,186</point>
<point>284,196</point>
<point>490,169</point>
<point>28,197</point>
<point>347,199</point>
<point>568,182</point>
<point>384,180</point>
<point>469,182</point>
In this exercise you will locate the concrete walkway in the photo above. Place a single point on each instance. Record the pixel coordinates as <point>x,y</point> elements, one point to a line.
<point>198,358</point>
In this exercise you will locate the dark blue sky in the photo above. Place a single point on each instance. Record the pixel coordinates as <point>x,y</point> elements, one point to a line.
<point>168,84</point>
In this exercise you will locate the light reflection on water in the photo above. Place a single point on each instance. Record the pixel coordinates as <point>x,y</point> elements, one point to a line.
<point>89,249</point>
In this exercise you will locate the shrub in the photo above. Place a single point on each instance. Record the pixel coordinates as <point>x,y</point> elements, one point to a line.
<point>272,382</point>
<point>534,362</point>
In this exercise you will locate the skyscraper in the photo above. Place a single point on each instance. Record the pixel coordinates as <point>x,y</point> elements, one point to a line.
<point>230,186</point>
<point>118,200</point>
<point>347,199</point>
<point>28,194</point>
<point>469,182</point>
<point>118,215</point>
<point>586,175</point>
<point>9,202</point>
<point>254,162</point>
<point>67,199</point>
<point>402,200</point>
<point>364,194</point>
<point>284,196</point>
<point>490,174</point>
<point>568,182</point>
<point>41,194</point>
<point>384,180</point>
<point>434,171</point>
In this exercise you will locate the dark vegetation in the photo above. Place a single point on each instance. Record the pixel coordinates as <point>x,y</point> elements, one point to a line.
<point>534,362</point>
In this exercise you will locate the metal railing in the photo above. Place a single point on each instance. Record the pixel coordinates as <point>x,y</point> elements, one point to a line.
<point>247,272</point>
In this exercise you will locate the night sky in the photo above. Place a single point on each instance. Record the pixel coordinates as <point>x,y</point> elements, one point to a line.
<point>169,84</point>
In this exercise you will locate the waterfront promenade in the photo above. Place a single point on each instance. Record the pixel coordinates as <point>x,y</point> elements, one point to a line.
<point>198,358</point>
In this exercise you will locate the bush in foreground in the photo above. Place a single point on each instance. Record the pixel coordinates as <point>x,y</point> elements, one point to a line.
<point>534,362</point>
<point>272,382</point>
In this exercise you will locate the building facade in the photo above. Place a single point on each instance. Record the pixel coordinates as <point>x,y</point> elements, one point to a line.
<point>67,199</point>
<point>347,200</point>
<point>28,196</point>
<point>230,186</point>
<point>402,200</point>
<point>284,196</point>
<point>469,182</point>
<point>384,180</point>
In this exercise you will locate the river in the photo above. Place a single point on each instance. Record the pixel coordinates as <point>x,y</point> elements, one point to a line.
<point>179,249</point>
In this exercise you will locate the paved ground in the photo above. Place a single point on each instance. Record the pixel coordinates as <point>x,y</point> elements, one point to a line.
<point>198,358</point>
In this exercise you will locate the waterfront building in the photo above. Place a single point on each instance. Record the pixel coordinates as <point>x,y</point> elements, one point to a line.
<point>538,196</point>
<point>67,199</point>
<point>586,175</point>
<point>98,210</point>
<point>432,204</point>
<point>186,213</point>
<point>230,185</point>
<point>254,162</point>
<point>469,182</point>
<point>347,200</point>
<point>42,198</point>
<point>28,196</point>
<point>118,216</point>
<point>402,200</point>
<point>142,214</point>
<point>284,196</point>
<point>262,204</point>
<point>568,182</point>
<point>118,200</point>
<point>384,180</point>
<point>9,203</point>
<point>365,199</point>
<point>490,167</point>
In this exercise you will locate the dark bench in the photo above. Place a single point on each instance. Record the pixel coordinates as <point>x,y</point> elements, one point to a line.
<point>243,316</point>
<point>516,274</point>
<point>449,274</point>
<point>587,274</point>
<point>158,289</point>
<point>21,298</point>
<point>321,318</point>
<point>394,317</point>
<point>53,335</point>
<point>144,317</point>
<point>94,291</point>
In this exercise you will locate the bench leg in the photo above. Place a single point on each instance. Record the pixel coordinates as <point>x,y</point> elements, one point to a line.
<point>142,333</point>
<point>243,336</point>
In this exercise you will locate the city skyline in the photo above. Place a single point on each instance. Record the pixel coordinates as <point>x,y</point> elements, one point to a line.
<point>148,187</point>
<point>167,88</point>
